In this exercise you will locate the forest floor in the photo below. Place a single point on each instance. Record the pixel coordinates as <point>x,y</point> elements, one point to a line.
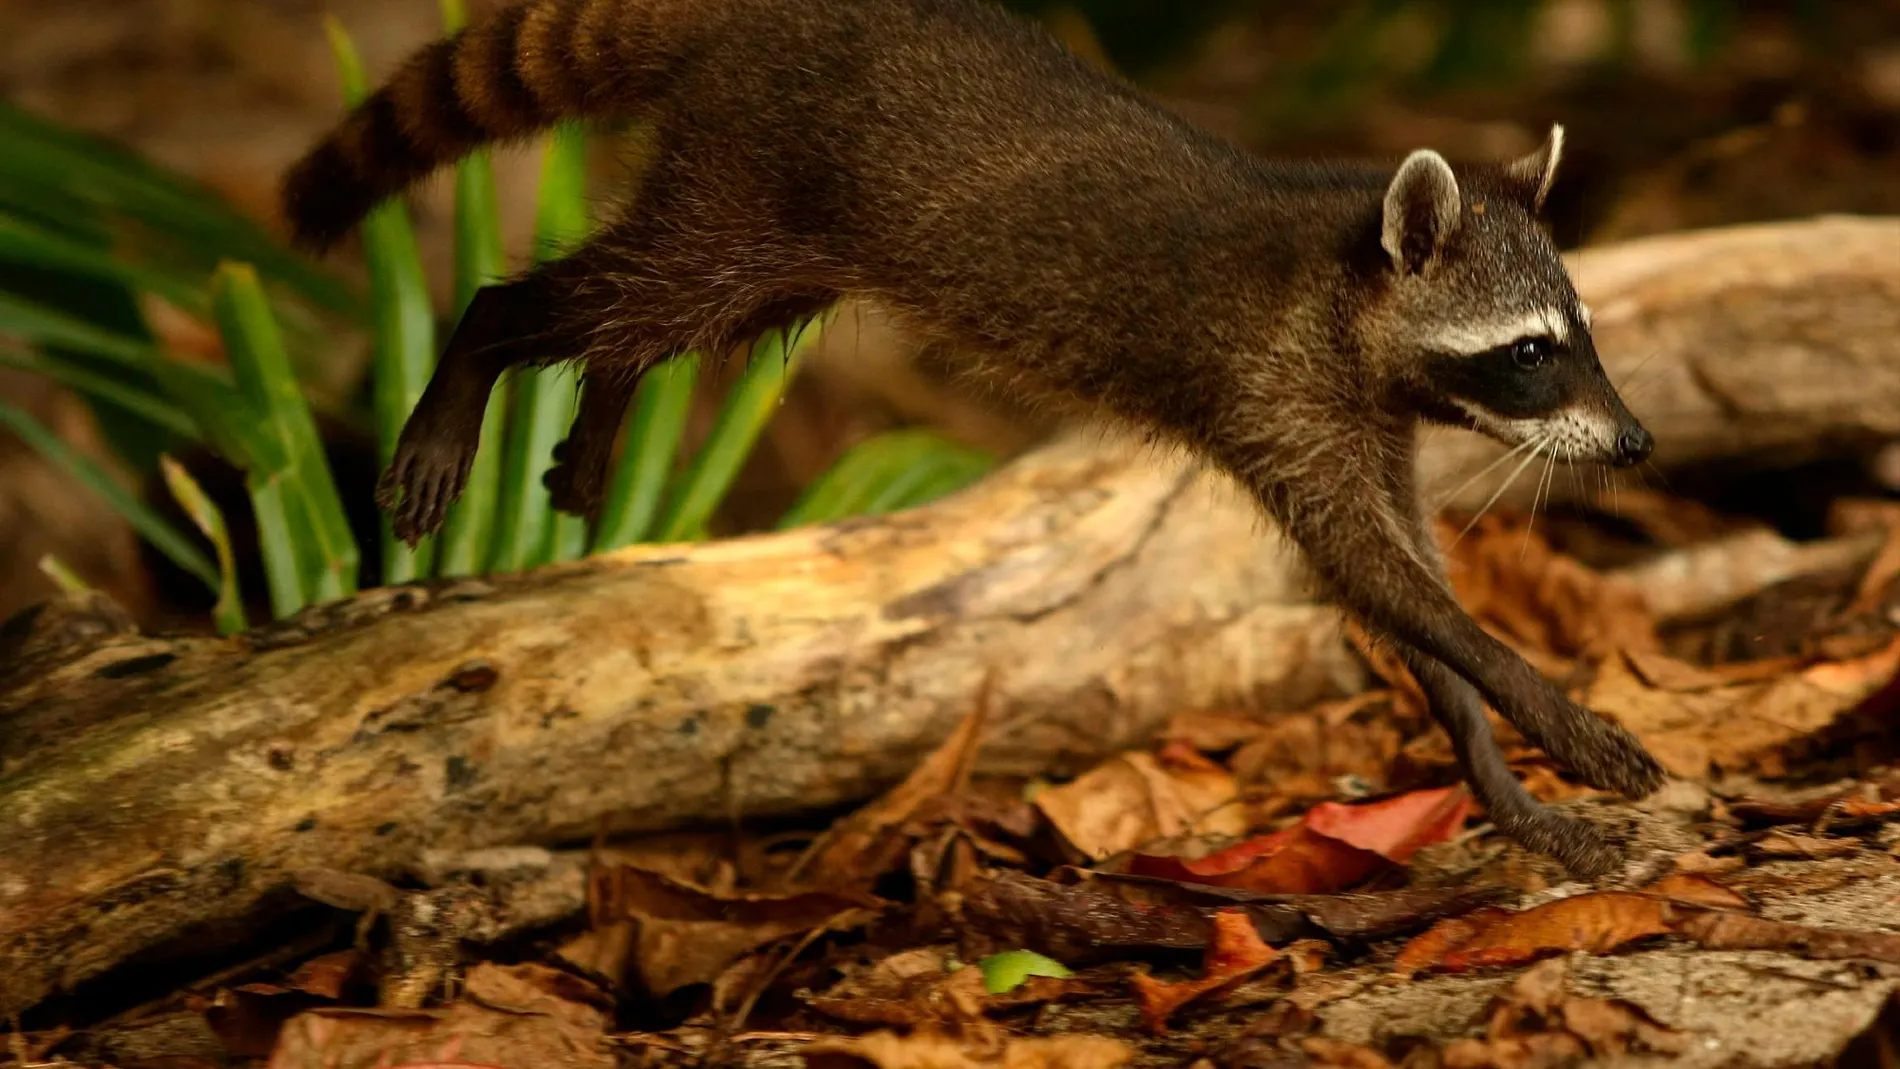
<point>1306,888</point>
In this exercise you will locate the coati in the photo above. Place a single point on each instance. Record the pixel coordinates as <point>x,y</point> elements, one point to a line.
<point>1290,322</point>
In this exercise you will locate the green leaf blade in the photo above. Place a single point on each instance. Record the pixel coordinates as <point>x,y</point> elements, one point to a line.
<point>654,431</point>
<point>111,391</point>
<point>892,471</point>
<point>228,613</point>
<point>741,419</point>
<point>1010,969</point>
<point>88,472</point>
<point>262,370</point>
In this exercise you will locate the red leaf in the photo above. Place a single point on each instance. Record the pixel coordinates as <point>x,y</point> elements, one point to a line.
<point>1235,953</point>
<point>1335,847</point>
<point>1395,828</point>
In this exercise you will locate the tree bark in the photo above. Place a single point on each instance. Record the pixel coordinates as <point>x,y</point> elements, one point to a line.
<point>152,789</point>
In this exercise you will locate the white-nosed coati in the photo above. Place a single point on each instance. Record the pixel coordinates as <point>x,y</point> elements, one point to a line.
<point>1291,322</point>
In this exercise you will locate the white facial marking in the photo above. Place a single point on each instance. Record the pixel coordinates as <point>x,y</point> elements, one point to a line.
<point>1470,339</point>
<point>1573,433</point>
<point>1584,313</point>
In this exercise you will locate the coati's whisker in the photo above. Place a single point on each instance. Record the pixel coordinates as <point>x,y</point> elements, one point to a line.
<point>1446,499</point>
<point>1629,377</point>
<point>1550,468</point>
<point>1659,475</point>
<point>1529,458</point>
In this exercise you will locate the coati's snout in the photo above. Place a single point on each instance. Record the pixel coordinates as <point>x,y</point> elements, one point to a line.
<point>1541,392</point>
<point>1633,446</point>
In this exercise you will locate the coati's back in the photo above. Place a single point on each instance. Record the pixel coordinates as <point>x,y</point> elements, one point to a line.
<point>928,88</point>
<point>938,147</point>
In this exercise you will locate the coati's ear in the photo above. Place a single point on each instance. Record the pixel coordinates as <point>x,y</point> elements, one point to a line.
<point>1532,175</point>
<point>1421,211</point>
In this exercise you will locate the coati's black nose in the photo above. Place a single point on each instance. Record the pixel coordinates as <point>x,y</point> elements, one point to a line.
<point>1633,446</point>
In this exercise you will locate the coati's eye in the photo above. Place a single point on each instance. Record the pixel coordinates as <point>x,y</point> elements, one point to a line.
<point>1530,353</point>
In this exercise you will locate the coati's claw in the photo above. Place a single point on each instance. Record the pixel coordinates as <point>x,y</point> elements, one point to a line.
<point>1603,754</point>
<point>1580,847</point>
<point>573,488</point>
<point>430,478</point>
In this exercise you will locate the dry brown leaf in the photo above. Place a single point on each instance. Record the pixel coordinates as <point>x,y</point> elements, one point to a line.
<point>1214,732</point>
<point>1539,600</point>
<point>1739,931</point>
<point>517,1016</point>
<point>670,934</point>
<point>1300,754</point>
<point>1701,862</point>
<point>1135,799</point>
<point>1338,1054</point>
<point>1598,923</point>
<point>861,847</point>
<point>1695,889</point>
<point>1538,1023</point>
<point>1235,953</point>
<point>1813,847</point>
<point>1736,727</point>
<point>1886,564</point>
<point>888,1050</point>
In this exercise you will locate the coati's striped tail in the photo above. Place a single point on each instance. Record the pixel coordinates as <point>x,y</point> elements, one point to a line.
<point>527,67</point>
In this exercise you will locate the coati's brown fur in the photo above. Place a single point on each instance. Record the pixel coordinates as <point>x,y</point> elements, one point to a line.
<point>1291,322</point>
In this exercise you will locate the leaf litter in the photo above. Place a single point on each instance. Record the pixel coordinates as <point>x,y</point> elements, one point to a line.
<point>1237,894</point>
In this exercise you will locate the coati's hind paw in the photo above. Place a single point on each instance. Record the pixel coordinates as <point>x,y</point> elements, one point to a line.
<point>1603,754</point>
<point>1579,846</point>
<point>575,485</point>
<point>420,484</point>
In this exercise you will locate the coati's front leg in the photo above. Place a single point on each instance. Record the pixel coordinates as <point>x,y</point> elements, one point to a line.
<point>1459,709</point>
<point>1363,549</point>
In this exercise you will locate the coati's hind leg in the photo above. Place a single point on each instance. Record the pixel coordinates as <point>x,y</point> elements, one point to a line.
<point>577,483</point>
<point>505,325</point>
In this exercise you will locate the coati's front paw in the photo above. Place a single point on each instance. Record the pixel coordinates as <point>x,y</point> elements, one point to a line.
<point>1602,753</point>
<point>1580,847</point>
<point>422,481</point>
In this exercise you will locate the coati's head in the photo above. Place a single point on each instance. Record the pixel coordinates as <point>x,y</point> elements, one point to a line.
<point>1479,322</point>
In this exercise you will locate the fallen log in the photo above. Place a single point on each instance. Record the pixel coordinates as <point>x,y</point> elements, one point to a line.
<point>153,789</point>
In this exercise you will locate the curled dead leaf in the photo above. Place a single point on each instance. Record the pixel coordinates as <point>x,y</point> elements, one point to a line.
<point>1539,1024</point>
<point>1748,726</point>
<point>508,1015</point>
<point>1235,953</point>
<point>1598,923</point>
<point>1739,931</point>
<point>1541,601</point>
<point>1696,889</point>
<point>669,933</point>
<point>1135,799</point>
<point>888,1050</point>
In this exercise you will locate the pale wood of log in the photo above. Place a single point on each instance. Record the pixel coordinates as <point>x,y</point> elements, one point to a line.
<point>155,790</point>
